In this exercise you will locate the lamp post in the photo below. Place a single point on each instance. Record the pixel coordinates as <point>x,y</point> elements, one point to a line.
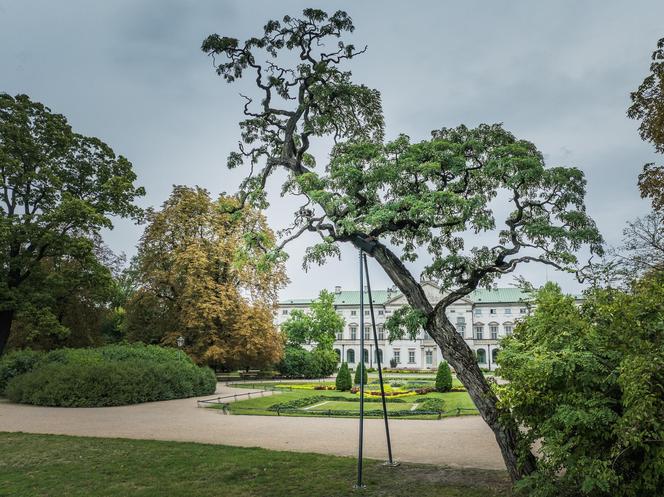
<point>180,341</point>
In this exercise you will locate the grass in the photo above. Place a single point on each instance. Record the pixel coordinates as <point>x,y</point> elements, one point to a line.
<point>259,405</point>
<point>57,466</point>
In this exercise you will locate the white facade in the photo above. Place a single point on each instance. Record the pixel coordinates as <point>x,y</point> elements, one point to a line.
<point>482,318</point>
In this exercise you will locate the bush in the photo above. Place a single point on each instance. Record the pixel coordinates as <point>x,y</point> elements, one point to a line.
<point>300,363</point>
<point>444,377</point>
<point>17,363</point>
<point>344,382</point>
<point>361,369</point>
<point>110,376</point>
<point>393,363</point>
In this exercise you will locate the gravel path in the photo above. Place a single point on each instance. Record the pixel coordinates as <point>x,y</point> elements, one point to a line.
<point>458,442</point>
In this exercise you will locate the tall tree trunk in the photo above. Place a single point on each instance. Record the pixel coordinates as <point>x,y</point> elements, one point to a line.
<point>6,318</point>
<point>461,358</point>
<point>457,352</point>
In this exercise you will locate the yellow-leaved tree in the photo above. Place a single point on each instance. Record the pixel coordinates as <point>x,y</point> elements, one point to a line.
<point>206,271</point>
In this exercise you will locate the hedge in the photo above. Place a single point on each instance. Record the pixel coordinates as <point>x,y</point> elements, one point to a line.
<point>110,376</point>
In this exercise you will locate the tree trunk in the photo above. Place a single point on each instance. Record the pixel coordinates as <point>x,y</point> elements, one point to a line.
<point>457,352</point>
<point>461,358</point>
<point>6,318</point>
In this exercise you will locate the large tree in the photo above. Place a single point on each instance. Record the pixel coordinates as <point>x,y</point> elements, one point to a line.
<point>399,200</point>
<point>648,107</point>
<point>59,189</point>
<point>202,273</point>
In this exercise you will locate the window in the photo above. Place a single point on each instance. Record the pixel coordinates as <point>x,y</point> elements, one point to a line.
<point>366,355</point>
<point>411,357</point>
<point>284,312</point>
<point>494,355</point>
<point>461,328</point>
<point>523,310</point>
<point>381,332</point>
<point>340,335</point>
<point>452,311</point>
<point>494,331</point>
<point>338,352</point>
<point>379,356</point>
<point>353,313</point>
<point>428,356</point>
<point>492,311</point>
<point>508,329</point>
<point>380,313</point>
<point>481,356</point>
<point>478,312</point>
<point>479,332</point>
<point>367,333</point>
<point>366,313</point>
<point>508,311</point>
<point>353,332</point>
<point>350,356</point>
<point>397,356</point>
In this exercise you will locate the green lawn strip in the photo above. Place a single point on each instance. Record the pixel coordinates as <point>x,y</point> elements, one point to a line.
<point>55,466</point>
<point>260,405</point>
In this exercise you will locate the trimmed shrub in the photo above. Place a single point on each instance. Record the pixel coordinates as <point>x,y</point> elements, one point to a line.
<point>361,370</point>
<point>17,363</point>
<point>110,376</point>
<point>344,382</point>
<point>444,377</point>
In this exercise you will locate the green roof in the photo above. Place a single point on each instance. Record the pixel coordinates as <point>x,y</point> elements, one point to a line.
<point>498,295</point>
<point>348,298</point>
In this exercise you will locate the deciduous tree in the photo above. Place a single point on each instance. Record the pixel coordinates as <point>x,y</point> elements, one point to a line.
<point>400,196</point>
<point>648,107</point>
<point>205,271</point>
<point>58,190</point>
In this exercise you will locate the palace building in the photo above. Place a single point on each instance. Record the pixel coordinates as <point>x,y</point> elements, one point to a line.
<point>482,318</point>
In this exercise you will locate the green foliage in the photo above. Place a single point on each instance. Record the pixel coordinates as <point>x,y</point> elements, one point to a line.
<point>361,370</point>
<point>317,327</point>
<point>344,382</point>
<point>444,377</point>
<point>62,189</point>
<point>109,376</point>
<point>588,384</point>
<point>405,321</point>
<point>16,363</point>
<point>430,404</point>
<point>301,363</point>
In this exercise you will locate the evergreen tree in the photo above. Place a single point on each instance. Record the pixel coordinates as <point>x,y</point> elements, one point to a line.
<point>361,370</point>
<point>444,377</point>
<point>344,381</point>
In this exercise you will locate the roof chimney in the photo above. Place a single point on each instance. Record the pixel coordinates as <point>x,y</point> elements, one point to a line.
<point>337,290</point>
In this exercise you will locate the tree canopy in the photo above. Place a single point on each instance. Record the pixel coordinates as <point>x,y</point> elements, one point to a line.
<point>59,189</point>
<point>648,107</point>
<point>203,273</point>
<point>398,200</point>
<point>318,327</point>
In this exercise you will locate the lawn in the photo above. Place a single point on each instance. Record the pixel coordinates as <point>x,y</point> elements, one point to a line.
<point>259,405</point>
<point>57,466</point>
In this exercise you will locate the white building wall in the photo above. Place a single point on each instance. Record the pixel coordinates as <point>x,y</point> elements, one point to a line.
<point>482,325</point>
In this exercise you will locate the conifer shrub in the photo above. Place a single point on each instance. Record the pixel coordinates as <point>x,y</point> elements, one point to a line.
<point>444,377</point>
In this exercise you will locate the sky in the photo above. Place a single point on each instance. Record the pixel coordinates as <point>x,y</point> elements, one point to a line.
<point>558,74</point>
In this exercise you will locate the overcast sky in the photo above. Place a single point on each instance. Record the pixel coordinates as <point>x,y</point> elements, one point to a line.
<point>131,73</point>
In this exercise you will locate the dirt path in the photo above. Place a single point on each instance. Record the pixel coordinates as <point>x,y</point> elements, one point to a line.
<point>458,442</point>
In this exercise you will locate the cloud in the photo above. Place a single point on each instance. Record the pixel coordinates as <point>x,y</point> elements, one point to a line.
<point>558,74</point>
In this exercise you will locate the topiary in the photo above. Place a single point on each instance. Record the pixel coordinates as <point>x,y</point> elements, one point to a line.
<point>344,382</point>
<point>361,370</point>
<point>444,377</point>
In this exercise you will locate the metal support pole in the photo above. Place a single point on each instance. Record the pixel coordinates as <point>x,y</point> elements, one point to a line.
<point>390,461</point>
<point>361,441</point>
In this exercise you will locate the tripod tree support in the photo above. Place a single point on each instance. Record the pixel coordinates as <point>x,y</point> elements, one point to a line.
<point>359,483</point>
<point>390,460</point>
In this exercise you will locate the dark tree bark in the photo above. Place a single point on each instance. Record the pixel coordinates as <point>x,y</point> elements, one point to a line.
<point>6,319</point>
<point>459,355</point>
